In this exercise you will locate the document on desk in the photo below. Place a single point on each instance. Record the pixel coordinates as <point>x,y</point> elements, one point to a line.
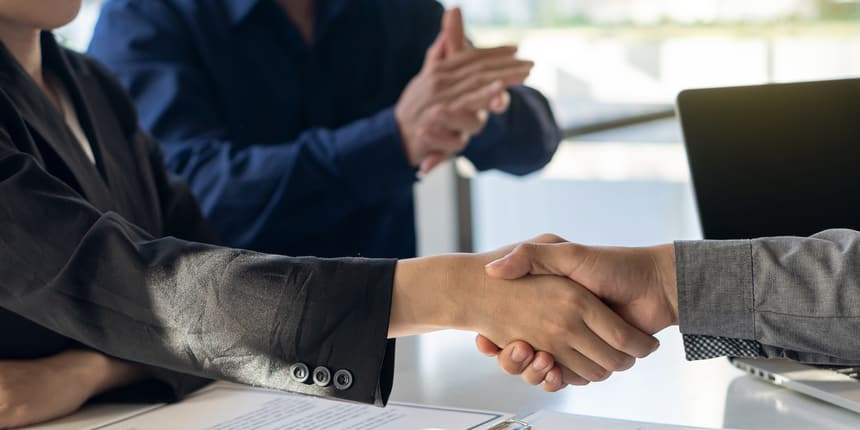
<point>231,407</point>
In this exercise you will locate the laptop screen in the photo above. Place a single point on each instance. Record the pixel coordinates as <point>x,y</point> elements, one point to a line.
<point>774,160</point>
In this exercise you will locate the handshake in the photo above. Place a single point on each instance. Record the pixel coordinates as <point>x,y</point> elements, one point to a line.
<point>566,314</point>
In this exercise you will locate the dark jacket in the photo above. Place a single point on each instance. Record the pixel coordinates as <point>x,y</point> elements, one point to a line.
<point>294,149</point>
<point>109,256</point>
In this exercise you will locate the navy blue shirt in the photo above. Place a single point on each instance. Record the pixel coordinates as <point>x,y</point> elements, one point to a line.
<point>290,148</point>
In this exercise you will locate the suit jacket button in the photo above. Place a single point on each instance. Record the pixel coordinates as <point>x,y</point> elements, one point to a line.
<point>322,376</point>
<point>343,379</point>
<point>299,372</point>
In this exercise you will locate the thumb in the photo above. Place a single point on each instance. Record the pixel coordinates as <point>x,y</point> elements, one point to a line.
<point>486,346</point>
<point>535,259</point>
<point>436,51</point>
<point>431,161</point>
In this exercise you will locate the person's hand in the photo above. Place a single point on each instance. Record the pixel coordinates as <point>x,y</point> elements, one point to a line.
<point>552,313</point>
<point>33,391</point>
<point>534,367</point>
<point>456,42</point>
<point>450,99</point>
<point>639,283</point>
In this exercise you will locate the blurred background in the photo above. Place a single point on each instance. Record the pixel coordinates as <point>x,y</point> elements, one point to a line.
<point>612,69</point>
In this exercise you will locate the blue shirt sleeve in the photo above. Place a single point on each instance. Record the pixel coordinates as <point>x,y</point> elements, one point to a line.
<point>245,191</point>
<point>519,141</point>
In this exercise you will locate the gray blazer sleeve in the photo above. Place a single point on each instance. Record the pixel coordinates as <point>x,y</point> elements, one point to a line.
<point>788,297</point>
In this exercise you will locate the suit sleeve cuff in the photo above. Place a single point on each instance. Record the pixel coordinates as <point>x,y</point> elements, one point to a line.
<point>344,327</point>
<point>715,288</point>
<point>372,154</point>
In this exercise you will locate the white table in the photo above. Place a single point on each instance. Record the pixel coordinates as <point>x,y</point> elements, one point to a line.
<point>445,369</point>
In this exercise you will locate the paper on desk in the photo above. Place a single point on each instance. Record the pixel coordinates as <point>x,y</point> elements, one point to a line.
<point>547,420</point>
<point>232,407</point>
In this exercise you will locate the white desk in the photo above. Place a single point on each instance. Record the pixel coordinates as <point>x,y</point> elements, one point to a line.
<point>445,369</point>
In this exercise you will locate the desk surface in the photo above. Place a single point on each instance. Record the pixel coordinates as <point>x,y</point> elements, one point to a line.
<point>445,369</point>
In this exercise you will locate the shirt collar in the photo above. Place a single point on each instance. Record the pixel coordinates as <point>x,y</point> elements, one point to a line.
<point>238,10</point>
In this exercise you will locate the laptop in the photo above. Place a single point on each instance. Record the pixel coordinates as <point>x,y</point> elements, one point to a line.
<point>776,160</point>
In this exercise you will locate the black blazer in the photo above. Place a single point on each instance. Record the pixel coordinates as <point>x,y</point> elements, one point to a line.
<point>110,256</point>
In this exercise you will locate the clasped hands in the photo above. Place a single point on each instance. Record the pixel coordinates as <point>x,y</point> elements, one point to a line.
<point>452,96</point>
<point>613,301</point>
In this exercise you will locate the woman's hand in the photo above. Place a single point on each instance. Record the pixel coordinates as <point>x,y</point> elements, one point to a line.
<point>33,391</point>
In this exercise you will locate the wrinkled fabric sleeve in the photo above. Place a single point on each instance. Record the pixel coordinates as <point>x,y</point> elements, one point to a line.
<point>183,306</point>
<point>781,297</point>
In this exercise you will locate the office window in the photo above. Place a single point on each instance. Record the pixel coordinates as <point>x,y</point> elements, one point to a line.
<point>609,65</point>
<point>599,60</point>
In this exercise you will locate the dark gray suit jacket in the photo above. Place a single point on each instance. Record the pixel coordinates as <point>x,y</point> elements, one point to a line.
<point>110,256</point>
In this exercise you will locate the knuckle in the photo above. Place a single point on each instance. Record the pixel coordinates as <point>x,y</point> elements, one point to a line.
<point>618,338</point>
<point>435,82</point>
<point>599,374</point>
<point>509,367</point>
<point>574,299</point>
<point>620,362</point>
<point>549,237</point>
<point>531,378</point>
<point>557,327</point>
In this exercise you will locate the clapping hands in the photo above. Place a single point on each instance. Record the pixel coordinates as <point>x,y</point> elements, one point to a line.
<point>450,99</point>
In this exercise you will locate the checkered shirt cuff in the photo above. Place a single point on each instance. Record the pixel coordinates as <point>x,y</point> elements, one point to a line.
<point>706,347</point>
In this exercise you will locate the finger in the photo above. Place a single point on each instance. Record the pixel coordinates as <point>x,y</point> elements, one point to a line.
<point>540,366</point>
<point>517,357</point>
<point>501,103</point>
<point>570,377</point>
<point>478,100</point>
<point>496,64</point>
<point>617,334</point>
<point>553,381</point>
<point>431,161</point>
<point>560,259</point>
<point>452,26</point>
<point>436,52</point>
<point>442,140</point>
<point>462,120</point>
<point>509,77</point>
<point>505,250</point>
<point>459,59</point>
<point>600,352</point>
<point>486,346</point>
<point>580,364</point>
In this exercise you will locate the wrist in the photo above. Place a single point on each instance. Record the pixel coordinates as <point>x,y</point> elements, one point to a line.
<point>665,261</point>
<point>94,371</point>
<point>435,293</point>
<point>405,133</point>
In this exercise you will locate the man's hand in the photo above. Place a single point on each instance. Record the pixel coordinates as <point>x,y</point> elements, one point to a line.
<point>638,283</point>
<point>450,99</point>
<point>33,391</point>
